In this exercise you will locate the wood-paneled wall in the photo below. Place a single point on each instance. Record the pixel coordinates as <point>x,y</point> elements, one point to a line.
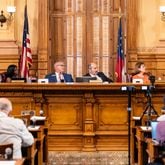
<point>82,31</point>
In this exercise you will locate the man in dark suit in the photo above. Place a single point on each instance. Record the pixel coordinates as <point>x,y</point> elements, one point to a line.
<point>93,72</point>
<point>59,75</point>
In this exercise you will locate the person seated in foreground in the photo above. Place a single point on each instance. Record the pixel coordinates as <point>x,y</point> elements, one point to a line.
<point>59,75</point>
<point>12,72</point>
<point>140,72</point>
<point>13,130</point>
<point>93,72</point>
<point>160,130</point>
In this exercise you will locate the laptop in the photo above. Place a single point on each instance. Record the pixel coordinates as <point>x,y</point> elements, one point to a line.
<point>153,130</point>
<point>85,79</point>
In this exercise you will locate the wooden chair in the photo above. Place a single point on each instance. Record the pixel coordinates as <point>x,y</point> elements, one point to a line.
<point>2,77</point>
<point>4,148</point>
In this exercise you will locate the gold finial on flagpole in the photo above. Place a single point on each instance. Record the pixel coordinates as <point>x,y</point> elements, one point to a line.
<point>120,14</point>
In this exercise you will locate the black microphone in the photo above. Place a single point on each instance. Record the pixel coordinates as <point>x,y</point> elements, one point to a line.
<point>8,153</point>
<point>128,77</point>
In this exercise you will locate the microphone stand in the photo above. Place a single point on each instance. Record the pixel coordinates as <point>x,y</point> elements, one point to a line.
<point>129,90</point>
<point>129,109</point>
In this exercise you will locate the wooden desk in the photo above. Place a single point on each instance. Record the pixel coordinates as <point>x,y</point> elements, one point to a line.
<point>153,149</point>
<point>134,123</point>
<point>41,136</point>
<point>30,153</point>
<point>142,132</point>
<point>17,162</point>
<point>20,162</point>
<point>94,114</point>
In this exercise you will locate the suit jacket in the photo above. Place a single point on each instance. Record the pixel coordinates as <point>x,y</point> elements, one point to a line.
<point>14,131</point>
<point>102,76</point>
<point>52,77</point>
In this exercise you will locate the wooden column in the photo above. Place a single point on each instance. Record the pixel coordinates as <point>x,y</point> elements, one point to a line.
<point>89,143</point>
<point>132,22</point>
<point>43,38</point>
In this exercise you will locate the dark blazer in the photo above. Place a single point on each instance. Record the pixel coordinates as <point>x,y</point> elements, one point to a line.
<point>52,77</point>
<point>102,76</point>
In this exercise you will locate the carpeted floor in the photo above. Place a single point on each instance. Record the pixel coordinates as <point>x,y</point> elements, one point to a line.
<point>88,158</point>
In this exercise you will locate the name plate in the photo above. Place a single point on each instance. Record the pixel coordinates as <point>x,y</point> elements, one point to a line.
<point>43,81</point>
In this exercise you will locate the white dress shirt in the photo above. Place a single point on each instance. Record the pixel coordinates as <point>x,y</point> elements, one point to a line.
<point>14,131</point>
<point>59,77</point>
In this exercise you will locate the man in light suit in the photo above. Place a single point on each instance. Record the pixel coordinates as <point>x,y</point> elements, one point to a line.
<point>93,72</point>
<point>13,130</point>
<point>59,75</point>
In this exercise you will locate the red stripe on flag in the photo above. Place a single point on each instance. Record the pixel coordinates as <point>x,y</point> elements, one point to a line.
<point>26,57</point>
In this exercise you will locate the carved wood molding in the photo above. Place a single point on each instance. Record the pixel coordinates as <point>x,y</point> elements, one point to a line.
<point>43,52</point>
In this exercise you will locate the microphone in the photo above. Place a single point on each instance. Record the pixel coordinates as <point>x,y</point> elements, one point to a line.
<point>128,77</point>
<point>8,153</point>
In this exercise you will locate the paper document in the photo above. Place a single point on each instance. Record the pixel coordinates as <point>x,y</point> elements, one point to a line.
<point>136,117</point>
<point>38,118</point>
<point>146,128</point>
<point>6,162</point>
<point>31,127</point>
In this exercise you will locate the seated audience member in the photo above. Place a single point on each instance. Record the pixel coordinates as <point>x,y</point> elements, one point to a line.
<point>93,72</point>
<point>12,72</point>
<point>140,72</point>
<point>13,130</point>
<point>59,75</point>
<point>160,129</point>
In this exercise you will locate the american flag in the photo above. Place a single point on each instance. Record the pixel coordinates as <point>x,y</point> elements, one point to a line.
<point>26,57</point>
<point>120,65</point>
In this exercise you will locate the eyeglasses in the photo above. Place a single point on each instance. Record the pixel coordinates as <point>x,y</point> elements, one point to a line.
<point>61,65</point>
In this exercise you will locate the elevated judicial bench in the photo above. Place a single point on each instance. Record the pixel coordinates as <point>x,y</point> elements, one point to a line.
<point>82,116</point>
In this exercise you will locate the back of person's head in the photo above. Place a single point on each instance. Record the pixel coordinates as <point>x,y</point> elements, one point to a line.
<point>5,105</point>
<point>11,70</point>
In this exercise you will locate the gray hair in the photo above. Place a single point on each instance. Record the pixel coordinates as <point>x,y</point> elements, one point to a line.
<point>5,105</point>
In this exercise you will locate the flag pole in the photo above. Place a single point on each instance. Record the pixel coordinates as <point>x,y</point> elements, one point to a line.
<point>125,36</point>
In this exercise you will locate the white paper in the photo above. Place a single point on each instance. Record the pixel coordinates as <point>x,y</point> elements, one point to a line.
<point>136,117</point>
<point>6,162</point>
<point>38,118</point>
<point>146,128</point>
<point>31,127</point>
